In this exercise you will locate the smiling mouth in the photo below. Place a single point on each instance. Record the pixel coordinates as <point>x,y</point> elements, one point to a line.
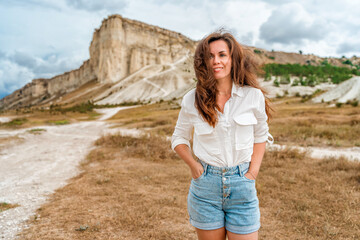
<point>218,69</point>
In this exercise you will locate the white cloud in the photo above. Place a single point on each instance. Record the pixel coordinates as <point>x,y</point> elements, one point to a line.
<point>19,68</point>
<point>95,5</point>
<point>12,77</point>
<point>292,24</point>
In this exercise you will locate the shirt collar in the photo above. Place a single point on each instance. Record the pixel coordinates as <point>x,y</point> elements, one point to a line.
<point>237,90</point>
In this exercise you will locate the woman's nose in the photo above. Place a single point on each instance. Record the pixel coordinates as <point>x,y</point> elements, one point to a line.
<point>216,59</point>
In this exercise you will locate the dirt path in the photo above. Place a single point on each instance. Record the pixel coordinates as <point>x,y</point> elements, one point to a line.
<point>352,153</point>
<point>34,167</point>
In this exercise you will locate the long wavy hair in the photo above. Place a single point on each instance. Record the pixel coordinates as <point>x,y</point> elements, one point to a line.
<point>243,72</point>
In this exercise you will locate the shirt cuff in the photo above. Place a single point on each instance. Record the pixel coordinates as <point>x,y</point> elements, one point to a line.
<point>264,138</point>
<point>178,142</point>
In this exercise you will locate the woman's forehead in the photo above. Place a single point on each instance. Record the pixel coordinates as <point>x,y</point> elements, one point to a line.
<point>218,46</point>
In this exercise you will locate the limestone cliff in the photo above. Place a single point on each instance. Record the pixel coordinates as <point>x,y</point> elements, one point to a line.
<point>119,48</point>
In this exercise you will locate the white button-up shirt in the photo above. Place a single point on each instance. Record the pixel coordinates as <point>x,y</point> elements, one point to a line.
<point>231,142</point>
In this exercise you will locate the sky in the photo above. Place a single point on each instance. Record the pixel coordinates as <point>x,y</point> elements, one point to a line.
<point>44,38</point>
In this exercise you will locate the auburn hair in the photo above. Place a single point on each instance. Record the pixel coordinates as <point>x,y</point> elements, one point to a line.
<point>243,72</point>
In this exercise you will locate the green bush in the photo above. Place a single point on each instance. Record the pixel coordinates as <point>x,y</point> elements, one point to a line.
<point>347,61</point>
<point>313,74</point>
<point>257,51</point>
<point>296,82</point>
<point>285,79</point>
<point>276,83</point>
<point>338,104</point>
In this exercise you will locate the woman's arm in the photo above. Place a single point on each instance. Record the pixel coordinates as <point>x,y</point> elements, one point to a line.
<point>180,141</point>
<point>256,159</point>
<point>184,153</point>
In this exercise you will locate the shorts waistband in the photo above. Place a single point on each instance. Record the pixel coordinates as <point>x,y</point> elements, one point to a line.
<point>226,171</point>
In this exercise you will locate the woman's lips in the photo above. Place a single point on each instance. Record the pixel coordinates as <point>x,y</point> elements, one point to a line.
<point>218,69</point>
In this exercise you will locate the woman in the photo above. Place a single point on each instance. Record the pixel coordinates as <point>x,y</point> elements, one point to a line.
<point>228,112</point>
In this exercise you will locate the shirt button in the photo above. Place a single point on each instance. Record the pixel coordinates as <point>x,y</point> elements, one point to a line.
<point>224,179</point>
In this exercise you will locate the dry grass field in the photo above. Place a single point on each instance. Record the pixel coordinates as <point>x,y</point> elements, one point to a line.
<point>136,188</point>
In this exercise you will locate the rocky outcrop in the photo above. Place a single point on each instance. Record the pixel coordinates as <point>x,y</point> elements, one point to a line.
<point>122,46</point>
<point>119,48</point>
<point>344,92</point>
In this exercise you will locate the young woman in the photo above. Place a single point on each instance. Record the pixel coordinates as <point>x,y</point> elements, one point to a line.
<point>229,113</point>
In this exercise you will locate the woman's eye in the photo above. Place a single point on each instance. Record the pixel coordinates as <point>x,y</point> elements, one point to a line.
<point>222,55</point>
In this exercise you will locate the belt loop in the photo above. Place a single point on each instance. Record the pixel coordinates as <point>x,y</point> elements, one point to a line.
<point>240,171</point>
<point>205,168</point>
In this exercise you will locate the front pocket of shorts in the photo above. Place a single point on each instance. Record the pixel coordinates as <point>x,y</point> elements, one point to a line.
<point>244,132</point>
<point>201,177</point>
<point>248,179</point>
<point>207,137</point>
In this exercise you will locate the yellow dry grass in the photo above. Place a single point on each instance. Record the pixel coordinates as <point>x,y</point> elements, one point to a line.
<point>34,118</point>
<point>136,188</point>
<point>307,124</point>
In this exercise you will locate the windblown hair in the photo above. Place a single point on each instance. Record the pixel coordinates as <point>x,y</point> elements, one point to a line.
<point>243,72</point>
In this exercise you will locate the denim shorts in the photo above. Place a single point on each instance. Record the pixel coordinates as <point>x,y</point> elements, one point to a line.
<point>224,197</point>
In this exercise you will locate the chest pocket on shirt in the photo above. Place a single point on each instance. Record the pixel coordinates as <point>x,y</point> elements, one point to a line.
<point>244,132</point>
<point>207,137</point>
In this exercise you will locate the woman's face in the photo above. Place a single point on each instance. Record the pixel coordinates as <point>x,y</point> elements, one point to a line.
<point>220,59</point>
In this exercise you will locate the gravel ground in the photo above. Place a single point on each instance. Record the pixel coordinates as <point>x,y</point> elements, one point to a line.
<point>33,168</point>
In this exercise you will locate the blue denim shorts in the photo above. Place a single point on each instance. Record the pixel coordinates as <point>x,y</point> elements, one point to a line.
<point>224,197</point>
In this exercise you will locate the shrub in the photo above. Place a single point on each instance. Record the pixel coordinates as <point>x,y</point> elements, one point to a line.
<point>295,82</point>
<point>338,104</point>
<point>285,79</point>
<point>276,83</point>
<point>347,61</point>
<point>257,51</point>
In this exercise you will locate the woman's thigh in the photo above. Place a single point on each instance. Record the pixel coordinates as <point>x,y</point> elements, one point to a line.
<point>216,234</point>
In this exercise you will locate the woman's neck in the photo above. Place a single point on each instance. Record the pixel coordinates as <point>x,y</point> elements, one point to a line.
<point>224,86</point>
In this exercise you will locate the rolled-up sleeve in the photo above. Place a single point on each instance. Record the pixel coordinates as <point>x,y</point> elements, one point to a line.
<point>261,129</point>
<point>183,128</point>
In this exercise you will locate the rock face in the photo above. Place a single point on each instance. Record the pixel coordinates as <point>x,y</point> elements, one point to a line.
<point>119,48</point>
<point>345,91</point>
<point>132,61</point>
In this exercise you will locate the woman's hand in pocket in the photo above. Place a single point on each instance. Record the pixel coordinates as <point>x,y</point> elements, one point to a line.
<point>250,176</point>
<point>196,170</point>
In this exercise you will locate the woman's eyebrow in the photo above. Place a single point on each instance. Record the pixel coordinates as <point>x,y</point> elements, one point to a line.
<point>222,51</point>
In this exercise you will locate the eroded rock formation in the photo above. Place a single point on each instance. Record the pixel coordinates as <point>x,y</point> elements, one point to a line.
<point>119,48</point>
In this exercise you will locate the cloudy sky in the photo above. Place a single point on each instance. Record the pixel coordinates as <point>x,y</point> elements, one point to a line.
<point>43,38</point>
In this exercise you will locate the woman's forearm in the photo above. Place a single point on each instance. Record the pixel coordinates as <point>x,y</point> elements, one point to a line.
<point>256,158</point>
<point>184,153</point>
